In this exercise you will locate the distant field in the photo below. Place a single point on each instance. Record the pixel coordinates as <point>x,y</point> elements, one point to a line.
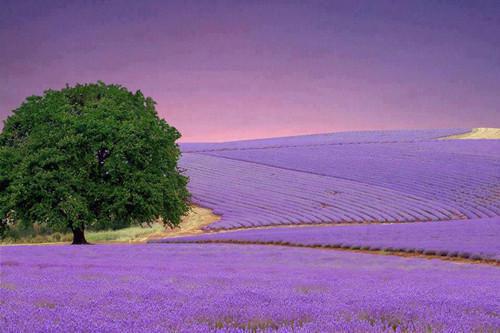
<point>478,133</point>
<point>338,138</point>
<point>394,176</point>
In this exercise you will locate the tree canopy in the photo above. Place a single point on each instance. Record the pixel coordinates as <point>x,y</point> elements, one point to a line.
<point>90,156</point>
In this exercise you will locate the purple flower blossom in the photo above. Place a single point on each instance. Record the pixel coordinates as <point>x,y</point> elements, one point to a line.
<point>324,179</point>
<point>472,239</point>
<point>233,288</point>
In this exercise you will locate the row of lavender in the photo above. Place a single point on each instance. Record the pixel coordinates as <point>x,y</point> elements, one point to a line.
<point>457,175</point>
<point>471,239</point>
<point>452,172</point>
<point>439,180</point>
<point>250,194</point>
<point>230,288</point>
<point>327,138</point>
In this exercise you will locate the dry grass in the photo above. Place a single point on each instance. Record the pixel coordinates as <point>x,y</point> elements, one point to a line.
<point>478,133</point>
<point>192,224</point>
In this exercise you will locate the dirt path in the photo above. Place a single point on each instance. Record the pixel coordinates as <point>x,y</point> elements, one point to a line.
<point>192,224</point>
<point>477,133</point>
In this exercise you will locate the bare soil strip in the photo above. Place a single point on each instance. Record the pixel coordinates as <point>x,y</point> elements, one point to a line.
<point>477,133</point>
<point>354,249</point>
<point>192,224</point>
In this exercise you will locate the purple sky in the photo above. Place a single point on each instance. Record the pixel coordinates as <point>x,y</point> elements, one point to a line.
<point>245,69</point>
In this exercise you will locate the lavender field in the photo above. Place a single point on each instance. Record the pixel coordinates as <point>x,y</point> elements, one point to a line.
<point>395,176</point>
<point>249,194</point>
<point>235,288</point>
<point>414,194</point>
<point>338,138</point>
<point>467,239</point>
<point>321,166</point>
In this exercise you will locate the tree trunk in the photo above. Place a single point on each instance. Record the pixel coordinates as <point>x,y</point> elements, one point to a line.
<point>79,236</point>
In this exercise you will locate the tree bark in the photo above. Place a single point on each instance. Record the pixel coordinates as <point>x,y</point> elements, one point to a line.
<point>79,236</point>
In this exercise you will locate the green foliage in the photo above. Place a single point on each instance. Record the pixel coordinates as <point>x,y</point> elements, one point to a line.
<point>91,156</point>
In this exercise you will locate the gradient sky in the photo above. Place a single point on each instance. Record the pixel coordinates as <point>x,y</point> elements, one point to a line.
<point>223,70</point>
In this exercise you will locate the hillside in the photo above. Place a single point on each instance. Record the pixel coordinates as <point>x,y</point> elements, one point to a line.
<point>381,176</point>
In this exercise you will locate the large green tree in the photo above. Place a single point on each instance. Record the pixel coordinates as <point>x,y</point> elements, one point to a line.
<point>90,156</point>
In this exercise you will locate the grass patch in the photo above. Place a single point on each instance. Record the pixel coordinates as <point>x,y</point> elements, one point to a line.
<point>130,234</point>
<point>123,235</point>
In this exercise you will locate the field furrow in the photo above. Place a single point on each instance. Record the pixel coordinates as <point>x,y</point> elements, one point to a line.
<point>250,194</point>
<point>339,138</point>
<point>451,172</point>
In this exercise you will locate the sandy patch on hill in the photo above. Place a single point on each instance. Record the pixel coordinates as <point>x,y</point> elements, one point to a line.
<point>478,133</point>
<point>191,224</point>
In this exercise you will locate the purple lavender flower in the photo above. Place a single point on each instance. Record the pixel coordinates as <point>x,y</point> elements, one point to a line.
<point>239,288</point>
